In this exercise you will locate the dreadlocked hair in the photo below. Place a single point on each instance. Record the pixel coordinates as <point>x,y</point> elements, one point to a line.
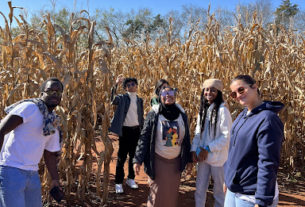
<point>204,105</point>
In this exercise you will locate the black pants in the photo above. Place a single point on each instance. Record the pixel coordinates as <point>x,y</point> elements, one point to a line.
<point>127,145</point>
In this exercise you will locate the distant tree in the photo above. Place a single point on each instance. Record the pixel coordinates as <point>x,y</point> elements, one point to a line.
<point>261,8</point>
<point>177,23</point>
<point>135,28</point>
<point>158,22</point>
<point>225,17</point>
<point>112,19</point>
<point>285,12</point>
<point>299,22</point>
<point>193,16</point>
<point>187,18</point>
<point>61,18</point>
<point>143,23</point>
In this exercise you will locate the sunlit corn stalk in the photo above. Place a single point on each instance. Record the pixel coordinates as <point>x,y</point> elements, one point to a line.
<point>276,59</point>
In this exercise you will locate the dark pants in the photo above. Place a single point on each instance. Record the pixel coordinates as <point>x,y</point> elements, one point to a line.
<point>127,145</point>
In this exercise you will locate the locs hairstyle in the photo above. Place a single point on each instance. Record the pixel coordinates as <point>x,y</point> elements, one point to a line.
<point>204,105</point>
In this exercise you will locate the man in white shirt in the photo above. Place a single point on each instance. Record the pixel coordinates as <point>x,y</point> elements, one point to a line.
<point>28,132</point>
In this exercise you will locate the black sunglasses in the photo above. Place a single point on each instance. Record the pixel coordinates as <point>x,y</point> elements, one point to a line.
<point>128,85</point>
<point>240,90</point>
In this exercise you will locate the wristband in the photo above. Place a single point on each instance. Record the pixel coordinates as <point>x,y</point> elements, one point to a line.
<point>207,148</point>
<point>198,150</point>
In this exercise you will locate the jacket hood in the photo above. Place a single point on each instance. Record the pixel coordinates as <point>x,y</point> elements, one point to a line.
<point>156,107</point>
<point>274,106</point>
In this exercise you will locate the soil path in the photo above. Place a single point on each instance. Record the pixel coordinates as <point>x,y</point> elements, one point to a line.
<point>292,190</point>
<point>291,193</point>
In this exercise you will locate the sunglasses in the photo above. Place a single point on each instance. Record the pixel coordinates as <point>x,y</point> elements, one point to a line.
<point>56,93</point>
<point>169,93</point>
<point>128,85</point>
<point>240,90</point>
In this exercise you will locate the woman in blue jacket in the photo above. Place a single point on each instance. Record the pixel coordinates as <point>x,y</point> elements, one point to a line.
<point>254,152</point>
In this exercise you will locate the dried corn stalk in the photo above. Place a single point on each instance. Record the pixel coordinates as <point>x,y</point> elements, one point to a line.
<point>275,59</point>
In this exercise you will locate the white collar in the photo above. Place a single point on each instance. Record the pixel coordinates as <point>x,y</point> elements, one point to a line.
<point>132,94</point>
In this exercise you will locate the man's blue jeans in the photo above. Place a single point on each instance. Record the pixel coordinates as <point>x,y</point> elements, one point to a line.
<point>20,188</point>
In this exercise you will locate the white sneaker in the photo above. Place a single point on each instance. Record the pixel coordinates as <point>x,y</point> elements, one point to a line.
<point>119,188</point>
<point>131,183</point>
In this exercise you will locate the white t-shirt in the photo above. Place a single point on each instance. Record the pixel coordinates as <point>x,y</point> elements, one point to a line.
<point>251,198</point>
<point>24,146</point>
<point>131,118</point>
<point>169,136</point>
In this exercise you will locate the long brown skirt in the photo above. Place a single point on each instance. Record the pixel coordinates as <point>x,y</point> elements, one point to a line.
<point>164,190</point>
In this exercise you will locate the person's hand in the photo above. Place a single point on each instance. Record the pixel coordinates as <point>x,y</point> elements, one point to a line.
<point>55,183</point>
<point>194,157</point>
<point>189,168</point>
<point>136,168</point>
<point>224,188</point>
<point>203,155</point>
<point>113,136</point>
<point>120,79</point>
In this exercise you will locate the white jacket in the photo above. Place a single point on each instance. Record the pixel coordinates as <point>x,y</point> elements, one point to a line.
<point>219,145</point>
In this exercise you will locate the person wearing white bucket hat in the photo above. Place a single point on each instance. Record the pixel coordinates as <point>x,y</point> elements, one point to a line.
<point>211,142</point>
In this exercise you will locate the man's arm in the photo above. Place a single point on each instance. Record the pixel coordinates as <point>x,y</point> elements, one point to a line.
<point>50,159</point>
<point>114,99</point>
<point>9,123</point>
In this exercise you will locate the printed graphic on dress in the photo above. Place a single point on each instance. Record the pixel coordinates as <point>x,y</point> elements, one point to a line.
<point>170,134</point>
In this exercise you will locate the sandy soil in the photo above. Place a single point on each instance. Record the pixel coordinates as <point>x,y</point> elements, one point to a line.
<point>292,192</point>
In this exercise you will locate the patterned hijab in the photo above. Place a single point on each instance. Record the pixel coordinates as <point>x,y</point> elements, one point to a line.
<point>50,120</point>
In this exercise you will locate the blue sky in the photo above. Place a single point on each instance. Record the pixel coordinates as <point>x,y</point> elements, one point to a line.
<point>157,6</point>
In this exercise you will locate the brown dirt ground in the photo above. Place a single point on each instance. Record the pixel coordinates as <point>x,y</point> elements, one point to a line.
<point>292,191</point>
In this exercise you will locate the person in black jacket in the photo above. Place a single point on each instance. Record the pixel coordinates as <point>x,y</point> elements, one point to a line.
<point>126,124</point>
<point>164,147</point>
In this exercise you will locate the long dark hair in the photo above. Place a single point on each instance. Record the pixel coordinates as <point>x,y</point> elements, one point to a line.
<point>204,105</point>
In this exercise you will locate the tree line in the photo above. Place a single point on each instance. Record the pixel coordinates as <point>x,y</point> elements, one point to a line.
<point>144,23</point>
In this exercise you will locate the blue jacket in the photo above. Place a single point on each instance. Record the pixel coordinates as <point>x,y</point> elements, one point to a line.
<point>254,152</point>
<point>123,102</point>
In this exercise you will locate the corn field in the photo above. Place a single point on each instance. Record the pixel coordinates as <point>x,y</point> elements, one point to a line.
<point>274,57</point>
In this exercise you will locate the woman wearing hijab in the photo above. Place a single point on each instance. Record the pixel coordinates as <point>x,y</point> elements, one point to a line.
<point>164,147</point>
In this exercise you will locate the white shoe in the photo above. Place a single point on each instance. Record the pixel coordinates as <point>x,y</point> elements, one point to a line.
<point>131,183</point>
<point>119,188</point>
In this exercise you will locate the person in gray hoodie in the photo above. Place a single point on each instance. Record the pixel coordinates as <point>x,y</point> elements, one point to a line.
<point>254,153</point>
